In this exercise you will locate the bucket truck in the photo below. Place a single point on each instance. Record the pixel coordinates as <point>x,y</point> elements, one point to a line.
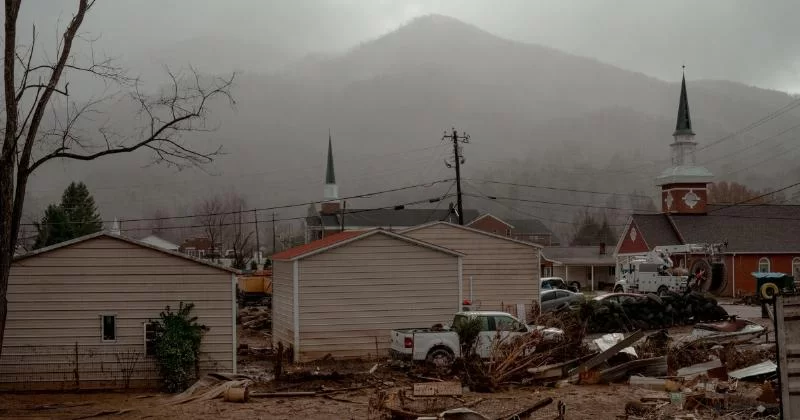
<point>655,271</point>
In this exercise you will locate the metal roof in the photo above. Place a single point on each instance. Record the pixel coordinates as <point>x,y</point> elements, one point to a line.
<point>105,234</point>
<point>683,125</point>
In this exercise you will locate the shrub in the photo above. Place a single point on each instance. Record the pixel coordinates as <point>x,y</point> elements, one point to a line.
<point>177,346</point>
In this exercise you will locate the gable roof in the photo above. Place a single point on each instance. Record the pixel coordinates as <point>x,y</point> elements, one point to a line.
<point>656,229</point>
<point>367,218</point>
<point>485,215</point>
<point>530,226</point>
<point>104,234</point>
<point>578,255</point>
<point>471,229</point>
<point>758,228</point>
<point>343,238</point>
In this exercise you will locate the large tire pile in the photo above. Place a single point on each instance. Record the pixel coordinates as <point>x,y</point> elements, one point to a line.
<point>650,312</point>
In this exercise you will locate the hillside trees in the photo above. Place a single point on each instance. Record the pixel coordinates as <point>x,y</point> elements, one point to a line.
<point>42,121</point>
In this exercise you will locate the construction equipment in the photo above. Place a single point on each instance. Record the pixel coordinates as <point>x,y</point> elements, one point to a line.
<point>769,285</point>
<point>655,272</point>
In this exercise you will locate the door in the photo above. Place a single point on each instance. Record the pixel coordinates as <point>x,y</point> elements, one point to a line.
<point>498,329</point>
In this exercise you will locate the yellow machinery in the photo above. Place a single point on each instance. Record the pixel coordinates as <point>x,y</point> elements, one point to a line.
<point>255,288</point>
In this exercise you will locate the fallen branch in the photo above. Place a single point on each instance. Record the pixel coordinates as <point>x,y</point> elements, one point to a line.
<point>527,412</point>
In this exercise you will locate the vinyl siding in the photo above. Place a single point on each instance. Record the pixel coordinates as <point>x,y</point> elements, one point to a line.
<point>351,297</point>
<point>504,273</point>
<point>282,303</point>
<point>56,299</point>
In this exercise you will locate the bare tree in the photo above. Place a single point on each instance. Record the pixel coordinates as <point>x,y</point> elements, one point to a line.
<point>43,122</point>
<point>212,219</point>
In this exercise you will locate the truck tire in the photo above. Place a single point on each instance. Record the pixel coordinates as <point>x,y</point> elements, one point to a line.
<point>618,289</point>
<point>440,357</point>
<point>769,290</point>
<point>575,286</point>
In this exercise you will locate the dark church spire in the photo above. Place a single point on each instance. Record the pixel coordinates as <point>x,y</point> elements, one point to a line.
<point>330,175</point>
<point>683,126</point>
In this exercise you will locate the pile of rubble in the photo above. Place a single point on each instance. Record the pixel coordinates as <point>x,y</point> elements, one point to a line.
<point>649,312</point>
<point>257,318</point>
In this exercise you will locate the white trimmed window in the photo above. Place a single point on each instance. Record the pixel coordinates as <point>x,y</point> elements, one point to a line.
<point>796,268</point>
<point>547,272</point>
<point>149,338</point>
<point>108,327</point>
<point>763,265</point>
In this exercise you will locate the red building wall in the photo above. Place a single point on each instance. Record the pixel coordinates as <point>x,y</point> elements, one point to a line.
<point>491,225</point>
<point>742,265</point>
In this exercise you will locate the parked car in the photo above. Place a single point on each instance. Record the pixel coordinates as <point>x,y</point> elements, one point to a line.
<point>556,283</point>
<point>555,299</point>
<point>441,346</point>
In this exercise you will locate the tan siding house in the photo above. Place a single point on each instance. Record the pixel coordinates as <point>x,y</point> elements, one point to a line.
<point>77,313</point>
<point>499,274</point>
<point>349,290</point>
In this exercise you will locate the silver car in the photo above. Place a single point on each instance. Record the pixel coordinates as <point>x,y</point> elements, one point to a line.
<point>556,299</point>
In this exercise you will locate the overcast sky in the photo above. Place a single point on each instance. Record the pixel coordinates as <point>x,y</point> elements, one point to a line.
<point>754,42</point>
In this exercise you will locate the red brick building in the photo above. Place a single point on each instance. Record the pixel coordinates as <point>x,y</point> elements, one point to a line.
<point>755,237</point>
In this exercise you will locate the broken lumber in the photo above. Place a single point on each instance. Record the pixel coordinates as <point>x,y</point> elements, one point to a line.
<point>433,389</point>
<point>527,411</point>
<point>607,354</point>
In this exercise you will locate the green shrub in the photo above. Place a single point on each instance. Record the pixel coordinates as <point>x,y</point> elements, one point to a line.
<point>177,347</point>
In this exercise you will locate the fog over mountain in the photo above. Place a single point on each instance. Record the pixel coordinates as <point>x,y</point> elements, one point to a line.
<point>536,115</point>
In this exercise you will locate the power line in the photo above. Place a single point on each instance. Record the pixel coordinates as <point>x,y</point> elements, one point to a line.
<point>458,160</point>
<point>534,216</point>
<point>487,181</point>
<point>188,216</point>
<point>749,200</point>
<point>556,203</point>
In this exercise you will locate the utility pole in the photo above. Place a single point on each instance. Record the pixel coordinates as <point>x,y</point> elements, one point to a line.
<point>258,242</point>
<point>274,248</point>
<point>341,227</point>
<point>458,160</point>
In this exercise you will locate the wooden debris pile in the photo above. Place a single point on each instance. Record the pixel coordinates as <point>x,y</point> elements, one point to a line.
<point>256,318</point>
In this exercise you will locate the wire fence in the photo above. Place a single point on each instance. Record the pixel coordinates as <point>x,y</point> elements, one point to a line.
<point>76,367</point>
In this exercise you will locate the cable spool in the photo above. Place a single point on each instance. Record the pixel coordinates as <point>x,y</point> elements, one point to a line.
<point>769,290</point>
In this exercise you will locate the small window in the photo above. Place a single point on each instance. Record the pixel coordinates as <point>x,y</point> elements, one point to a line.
<point>763,265</point>
<point>485,324</point>
<point>149,338</point>
<point>508,232</point>
<point>547,272</point>
<point>109,327</point>
<point>504,323</point>
<point>612,271</point>
<point>796,268</point>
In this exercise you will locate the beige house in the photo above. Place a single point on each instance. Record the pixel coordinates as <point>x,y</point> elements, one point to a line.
<point>79,312</point>
<point>500,273</point>
<point>343,294</point>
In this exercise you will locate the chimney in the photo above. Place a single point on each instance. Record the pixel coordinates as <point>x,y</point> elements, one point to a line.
<point>602,248</point>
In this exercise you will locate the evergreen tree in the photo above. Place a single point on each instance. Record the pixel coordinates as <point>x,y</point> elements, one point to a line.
<point>76,216</point>
<point>53,227</point>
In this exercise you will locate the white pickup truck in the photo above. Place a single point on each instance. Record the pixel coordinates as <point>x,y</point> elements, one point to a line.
<point>441,346</point>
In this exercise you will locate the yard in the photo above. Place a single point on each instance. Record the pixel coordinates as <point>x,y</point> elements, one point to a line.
<point>581,401</point>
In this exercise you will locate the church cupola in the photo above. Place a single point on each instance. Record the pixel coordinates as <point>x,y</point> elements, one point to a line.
<point>684,186</point>
<point>331,203</point>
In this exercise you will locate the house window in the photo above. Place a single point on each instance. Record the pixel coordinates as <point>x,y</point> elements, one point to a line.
<point>612,271</point>
<point>149,338</point>
<point>763,265</point>
<point>508,232</point>
<point>796,268</point>
<point>109,327</point>
<point>547,272</point>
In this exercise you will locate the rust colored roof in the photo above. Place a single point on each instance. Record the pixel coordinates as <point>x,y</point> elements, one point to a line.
<point>325,242</point>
